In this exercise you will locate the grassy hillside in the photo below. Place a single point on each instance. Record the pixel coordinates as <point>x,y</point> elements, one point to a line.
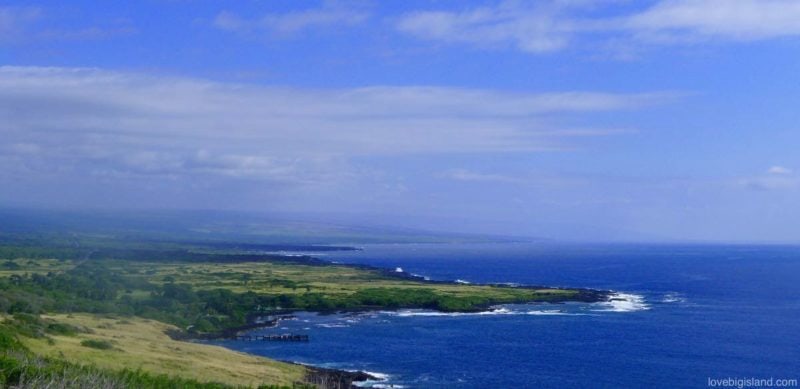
<point>142,344</point>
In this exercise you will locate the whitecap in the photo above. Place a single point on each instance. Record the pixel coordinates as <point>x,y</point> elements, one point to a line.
<point>419,313</point>
<point>376,383</point>
<point>425,313</point>
<point>624,302</point>
<point>673,298</point>
<point>547,312</point>
<point>380,376</point>
<point>459,281</point>
<point>326,325</point>
<point>497,311</point>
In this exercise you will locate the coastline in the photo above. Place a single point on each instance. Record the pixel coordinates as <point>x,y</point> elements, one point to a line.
<point>340,378</point>
<point>327,377</point>
<point>335,378</point>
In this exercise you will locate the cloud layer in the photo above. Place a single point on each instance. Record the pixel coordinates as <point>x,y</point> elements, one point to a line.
<point>111,123</point>
<point>775,178</point>
<point>290,22</point>
<point>15,20</point>
<point>34,24</point>
<point>539,27</point>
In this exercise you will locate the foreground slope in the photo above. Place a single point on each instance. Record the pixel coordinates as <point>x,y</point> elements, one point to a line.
<point>143,344</point>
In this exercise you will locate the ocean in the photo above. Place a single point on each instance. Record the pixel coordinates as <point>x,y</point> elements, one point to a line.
<point>692,314</point>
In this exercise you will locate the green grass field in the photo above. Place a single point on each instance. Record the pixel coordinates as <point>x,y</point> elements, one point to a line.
<point>333,281</point>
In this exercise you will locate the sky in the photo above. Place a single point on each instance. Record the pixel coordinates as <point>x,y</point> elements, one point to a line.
<point>657,120</point>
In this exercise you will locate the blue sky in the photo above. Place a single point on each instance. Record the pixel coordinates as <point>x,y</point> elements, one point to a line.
<point>572,119</point>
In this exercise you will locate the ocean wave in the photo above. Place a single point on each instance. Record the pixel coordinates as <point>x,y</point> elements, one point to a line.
<point>380,376</point>
<point>496,311</point>
<point>333,325</point>
<point>413,313</point>
<point>548,312</point>
<point>624,302</point>
<point>673,298</point>
<point>378,382</point>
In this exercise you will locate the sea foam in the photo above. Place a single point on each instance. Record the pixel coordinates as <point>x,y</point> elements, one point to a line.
<point>549,312</point>
<point>624,302</point>
<point>673,298</point>
<point>493,312</point>
<point>380,376</point>
<point>416,312</point>
<point>332,325</point>
<point>376,383</point>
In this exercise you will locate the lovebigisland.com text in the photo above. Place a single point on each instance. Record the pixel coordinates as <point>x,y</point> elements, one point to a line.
<point>752,382</point>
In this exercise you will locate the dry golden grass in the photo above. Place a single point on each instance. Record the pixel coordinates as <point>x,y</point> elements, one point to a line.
<point>142,344</point>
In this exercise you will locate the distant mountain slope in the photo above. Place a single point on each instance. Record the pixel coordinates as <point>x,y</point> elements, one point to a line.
<point>212,226</point>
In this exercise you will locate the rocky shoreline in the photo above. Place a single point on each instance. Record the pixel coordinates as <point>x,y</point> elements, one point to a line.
<point>335,378</point>
<point>343,379</point>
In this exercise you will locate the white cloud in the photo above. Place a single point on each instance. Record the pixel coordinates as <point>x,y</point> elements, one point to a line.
<point>555,25</point>
<point>15,20</point>
<point>291,22</point>
<point>775,178</point>
<point>533,29</point>
<point>467,175</point>
<point>110,123</point>
<point>780,170</point>
<point>25,24</point>
<point>722,19</point>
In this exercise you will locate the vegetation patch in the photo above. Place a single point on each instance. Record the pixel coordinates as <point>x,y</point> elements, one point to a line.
<point>142,345</point>
<point>213,297</point>
<point>97,344</point>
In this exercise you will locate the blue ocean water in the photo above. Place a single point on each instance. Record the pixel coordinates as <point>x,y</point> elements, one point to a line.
<point>704,312</point>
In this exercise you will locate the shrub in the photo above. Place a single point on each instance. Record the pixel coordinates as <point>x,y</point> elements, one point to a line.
<point>11,265</point>
<point>62,329</point>
<point>97,343</point>
<point>8,339</point>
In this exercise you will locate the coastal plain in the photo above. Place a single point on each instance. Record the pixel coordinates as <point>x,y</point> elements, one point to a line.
<point>142,309</point>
